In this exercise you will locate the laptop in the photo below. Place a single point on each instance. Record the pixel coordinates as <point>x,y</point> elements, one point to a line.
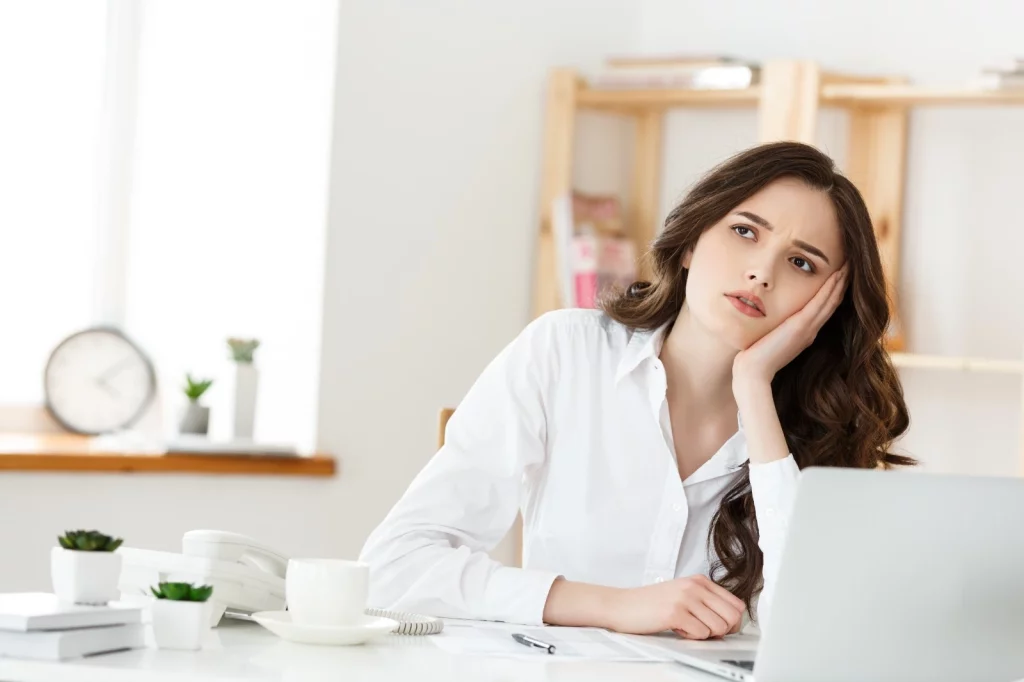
<point>891,575</point>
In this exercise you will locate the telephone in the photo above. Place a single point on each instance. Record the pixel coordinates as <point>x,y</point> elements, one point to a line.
<point>247,576</point>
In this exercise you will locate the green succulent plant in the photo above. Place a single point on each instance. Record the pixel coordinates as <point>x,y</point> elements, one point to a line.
<point>242,349</point>
<point>182,591</point>
<point>88,541</point>
<point>194,389</point>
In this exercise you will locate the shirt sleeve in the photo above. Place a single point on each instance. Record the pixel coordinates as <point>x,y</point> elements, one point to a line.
<point>429,555</point>
<point>773,486</point>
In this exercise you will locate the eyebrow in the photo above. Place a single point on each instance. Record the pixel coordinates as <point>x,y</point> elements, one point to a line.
<point>754,218</point>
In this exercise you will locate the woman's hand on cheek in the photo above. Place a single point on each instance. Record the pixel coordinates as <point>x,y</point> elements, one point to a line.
<point>759,363</point>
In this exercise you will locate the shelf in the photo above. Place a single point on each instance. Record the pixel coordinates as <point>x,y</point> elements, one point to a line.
<point>909,95</point>
<point>70,453</point>
<point>837,94</point>
<point>957,363</point>
<point>630,99</point>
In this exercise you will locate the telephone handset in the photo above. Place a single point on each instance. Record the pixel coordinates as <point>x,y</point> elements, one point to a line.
<point>227,546</point>
<point>234,547</point>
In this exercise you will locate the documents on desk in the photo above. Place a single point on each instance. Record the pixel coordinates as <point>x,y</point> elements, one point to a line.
<point>589,644</point>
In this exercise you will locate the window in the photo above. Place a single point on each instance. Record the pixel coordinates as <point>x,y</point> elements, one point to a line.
<point>224,182</point>
<point>52,67</point>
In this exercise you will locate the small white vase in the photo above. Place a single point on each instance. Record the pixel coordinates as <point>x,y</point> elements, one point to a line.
<point>83,577</point>
<point>244,417</point>
<point>180,624</point>
<point>195,419</point>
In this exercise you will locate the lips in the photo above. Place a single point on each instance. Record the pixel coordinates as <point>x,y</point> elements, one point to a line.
<point>747,303</point>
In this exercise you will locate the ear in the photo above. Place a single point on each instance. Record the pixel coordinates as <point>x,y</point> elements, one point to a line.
<point>687,257</point>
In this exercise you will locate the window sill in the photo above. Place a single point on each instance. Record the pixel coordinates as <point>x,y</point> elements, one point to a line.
<point>71,453</point>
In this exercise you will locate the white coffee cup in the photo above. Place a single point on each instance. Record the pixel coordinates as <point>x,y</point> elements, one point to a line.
<point>326,591</point>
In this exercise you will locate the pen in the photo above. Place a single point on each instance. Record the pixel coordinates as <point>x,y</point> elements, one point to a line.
<point>526,640</point>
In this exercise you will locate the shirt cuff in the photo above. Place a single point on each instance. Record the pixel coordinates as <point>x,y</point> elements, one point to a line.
<point>517,595</point>
<point>773,486</point>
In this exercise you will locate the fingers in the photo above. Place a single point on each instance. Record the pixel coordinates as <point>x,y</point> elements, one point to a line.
<point>721,592</point>
<point>727,612</point>
<point>834,298</point>
<point>836,283</point>
<point>821,299</point>
<point>717,608</point>
<point>705,609</point>
<point>692,627</point>
<point>716,624</point>
<point>825,302</point>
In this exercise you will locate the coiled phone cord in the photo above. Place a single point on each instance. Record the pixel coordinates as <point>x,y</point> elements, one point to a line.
<point>410,623</point>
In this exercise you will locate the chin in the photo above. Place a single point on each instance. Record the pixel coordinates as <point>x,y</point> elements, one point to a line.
<point>734,333</point>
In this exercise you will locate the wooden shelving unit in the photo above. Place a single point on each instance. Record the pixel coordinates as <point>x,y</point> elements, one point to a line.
<point>788,99</point>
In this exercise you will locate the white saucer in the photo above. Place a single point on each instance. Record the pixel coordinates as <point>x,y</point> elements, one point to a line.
<point>280,623</point>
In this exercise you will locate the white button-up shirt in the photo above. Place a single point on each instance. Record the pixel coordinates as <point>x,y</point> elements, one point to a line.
<point>569,425</point>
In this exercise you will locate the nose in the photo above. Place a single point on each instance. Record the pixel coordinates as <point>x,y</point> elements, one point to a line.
<point>759,277</point>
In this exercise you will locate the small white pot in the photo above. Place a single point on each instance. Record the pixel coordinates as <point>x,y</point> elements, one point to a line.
<point>85,577</point>
<point>180,624</point>
<point>195,419</point>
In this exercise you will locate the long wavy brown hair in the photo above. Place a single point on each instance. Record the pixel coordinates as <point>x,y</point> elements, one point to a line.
<point>840,401</point>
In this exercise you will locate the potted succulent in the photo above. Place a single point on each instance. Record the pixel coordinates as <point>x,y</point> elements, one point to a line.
<point>196,418</point>
<point>85,568</point>
<point>181,615</point>
<point>246,381</point>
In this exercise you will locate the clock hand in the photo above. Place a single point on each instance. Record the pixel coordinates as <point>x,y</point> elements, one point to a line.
<point>108,388</point>
<point>111,371</point>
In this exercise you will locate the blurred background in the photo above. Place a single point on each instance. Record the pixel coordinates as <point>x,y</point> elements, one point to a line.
<point>359,185</point>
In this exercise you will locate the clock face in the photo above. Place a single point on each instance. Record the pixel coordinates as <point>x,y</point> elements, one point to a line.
<point>97,381</point>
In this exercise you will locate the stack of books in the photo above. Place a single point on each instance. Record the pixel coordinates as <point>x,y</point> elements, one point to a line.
<point>37,625</point>
<point>676,72</point>
<point>594,255</point>
<point>1006,76</point>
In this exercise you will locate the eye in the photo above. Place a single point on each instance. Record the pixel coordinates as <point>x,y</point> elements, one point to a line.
<point>800,263</point>
<point>743,231</point>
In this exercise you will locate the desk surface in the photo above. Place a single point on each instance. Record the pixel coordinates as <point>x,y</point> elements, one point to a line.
<point>245,651</point>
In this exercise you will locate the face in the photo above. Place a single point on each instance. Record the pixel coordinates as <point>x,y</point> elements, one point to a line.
<point>779,246</point>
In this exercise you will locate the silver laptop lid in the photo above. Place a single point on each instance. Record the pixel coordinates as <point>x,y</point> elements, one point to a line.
<point>899,575</point>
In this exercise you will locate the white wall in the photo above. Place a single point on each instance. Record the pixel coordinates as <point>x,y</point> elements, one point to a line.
<point>433,214</point>
<point>432,222</point>
<point>962,235</point>
<point>433,217</point>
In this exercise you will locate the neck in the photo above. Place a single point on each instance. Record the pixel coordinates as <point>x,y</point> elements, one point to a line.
<point>698,367</point>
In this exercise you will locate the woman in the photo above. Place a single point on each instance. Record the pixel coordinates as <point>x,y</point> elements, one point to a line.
<point>654,446</point>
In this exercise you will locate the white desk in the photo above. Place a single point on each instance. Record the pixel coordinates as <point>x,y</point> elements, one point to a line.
<point>245,651</point>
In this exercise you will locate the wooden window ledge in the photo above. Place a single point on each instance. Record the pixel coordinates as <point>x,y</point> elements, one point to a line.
<point>73,453</point>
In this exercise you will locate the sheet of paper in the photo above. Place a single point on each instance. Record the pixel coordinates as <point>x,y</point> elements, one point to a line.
<point>490,639</point>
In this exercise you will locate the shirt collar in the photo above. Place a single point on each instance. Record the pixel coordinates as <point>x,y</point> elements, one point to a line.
<point>643,344</point>
<point>647,343</point>
<point>726,461</point>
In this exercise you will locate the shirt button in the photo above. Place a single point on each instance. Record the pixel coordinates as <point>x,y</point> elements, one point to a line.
<point>676,507</point>
<point>659,579</point>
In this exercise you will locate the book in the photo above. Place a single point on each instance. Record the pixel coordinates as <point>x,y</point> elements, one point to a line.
<point>992,80</point>
<point>669,60</point>
<point>1007,65</point>
<point>592,252</point>
<point>30,611</point>
<point>601,263</point>
<point>60,645</point>
<point>584,270</point>
<point>724,77</point>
